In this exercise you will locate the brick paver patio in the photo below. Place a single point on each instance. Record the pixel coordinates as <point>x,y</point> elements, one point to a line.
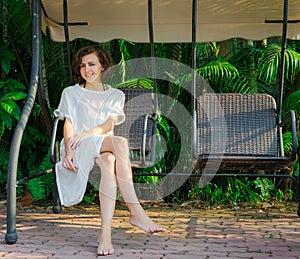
<point>191,233</point>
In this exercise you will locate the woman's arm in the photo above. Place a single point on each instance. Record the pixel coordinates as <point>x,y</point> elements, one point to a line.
<point>103,128</point>
<point>68,131</point>
<point>69,160</point>
<point>75,140</point>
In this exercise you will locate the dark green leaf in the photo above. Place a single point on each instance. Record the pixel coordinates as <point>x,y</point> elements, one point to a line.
<point>13,96</point>
<point>5,64</point>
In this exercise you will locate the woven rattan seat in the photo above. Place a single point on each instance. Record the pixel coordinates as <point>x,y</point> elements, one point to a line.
<point>245,127</point>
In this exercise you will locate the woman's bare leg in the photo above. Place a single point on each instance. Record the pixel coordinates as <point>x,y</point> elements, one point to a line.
<point>119,147</point>
<point>107,196</point>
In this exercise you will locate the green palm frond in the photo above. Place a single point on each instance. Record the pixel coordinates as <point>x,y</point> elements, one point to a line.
<point>55,55</point>
<point>175,52</point>
<point>287,142</point>
<point>221,75</point>
<point>237,84</point>
<point>171,51</point>
<point>269,63</point>
<point>136,83</point>
<point>270,60</point>
<point>245,60</point>
<point>206,52</point>
<point>218,71</point>
<point>244,53</point>
<point>292,102</point>
<point>206,48</point>
<point>19,36</point>
<point>292,64</point>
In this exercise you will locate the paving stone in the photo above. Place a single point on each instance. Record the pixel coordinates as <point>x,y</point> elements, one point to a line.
<point>191,233</point>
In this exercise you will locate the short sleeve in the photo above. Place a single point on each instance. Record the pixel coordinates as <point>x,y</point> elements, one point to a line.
<point>63,110</point>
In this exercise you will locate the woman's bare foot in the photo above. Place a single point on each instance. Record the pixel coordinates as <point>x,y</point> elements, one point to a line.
<point>105,246</point>
<point>142,221</point>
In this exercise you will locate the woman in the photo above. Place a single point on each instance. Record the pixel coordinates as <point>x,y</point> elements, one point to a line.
<point>91,110</point>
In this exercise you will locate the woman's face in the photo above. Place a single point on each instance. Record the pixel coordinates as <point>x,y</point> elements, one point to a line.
<point>91,68</point>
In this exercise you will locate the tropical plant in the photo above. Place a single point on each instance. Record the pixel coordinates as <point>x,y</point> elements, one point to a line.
<point>15,57</point>
<point>11,92</point>
<point>40,187</point>
<point>5,57</point>
<point>3,168</point>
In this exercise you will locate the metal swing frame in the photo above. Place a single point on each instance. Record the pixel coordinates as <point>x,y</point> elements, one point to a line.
<point>11,234</point>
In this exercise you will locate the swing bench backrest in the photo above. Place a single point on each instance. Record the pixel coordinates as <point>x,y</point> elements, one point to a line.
<point>140,126</point>
<point>246,128</point>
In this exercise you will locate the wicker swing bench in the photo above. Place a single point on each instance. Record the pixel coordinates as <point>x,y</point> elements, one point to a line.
<point>241,132</point>
<point>253,140</point>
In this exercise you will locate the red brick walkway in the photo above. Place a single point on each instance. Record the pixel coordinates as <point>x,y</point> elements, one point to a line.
<point>191,233</point>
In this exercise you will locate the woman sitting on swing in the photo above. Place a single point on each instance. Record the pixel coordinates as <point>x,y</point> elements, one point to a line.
<point>91,110</point>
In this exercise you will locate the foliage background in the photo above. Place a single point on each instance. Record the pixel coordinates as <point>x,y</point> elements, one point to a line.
<point>235,65</point>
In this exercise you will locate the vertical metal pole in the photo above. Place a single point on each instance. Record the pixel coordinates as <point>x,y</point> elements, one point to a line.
<point>67,38</point>
<point>298,189</point>
<point>11,234</point>
<point>282,72</point>
<point>153,70</point>
<point>152,49</point>
<point>150,28</point>
<point>194,96</point>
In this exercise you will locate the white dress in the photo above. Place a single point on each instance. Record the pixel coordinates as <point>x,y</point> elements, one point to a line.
<point>86,109</point>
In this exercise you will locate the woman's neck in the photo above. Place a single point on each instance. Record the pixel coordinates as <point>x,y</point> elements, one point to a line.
<point>94,86</point>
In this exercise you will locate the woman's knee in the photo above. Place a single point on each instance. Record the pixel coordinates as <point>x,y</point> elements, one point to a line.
<point>107,158</point>
<point>120,141</point>
<point>114,144</point>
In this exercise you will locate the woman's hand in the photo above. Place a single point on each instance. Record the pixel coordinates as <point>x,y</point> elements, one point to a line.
<point>69,160</point>
<point>76,139</point>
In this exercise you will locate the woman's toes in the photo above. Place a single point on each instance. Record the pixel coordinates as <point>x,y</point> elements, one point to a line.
<point>103,252</point>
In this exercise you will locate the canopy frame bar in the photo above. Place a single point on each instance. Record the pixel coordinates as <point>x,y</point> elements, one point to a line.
<point>193,83</point>
<point>282,74</point>
<point>152,49</point>
<point>67,38</point>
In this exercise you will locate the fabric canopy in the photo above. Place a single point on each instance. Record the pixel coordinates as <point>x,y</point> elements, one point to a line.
<point>217,20</point>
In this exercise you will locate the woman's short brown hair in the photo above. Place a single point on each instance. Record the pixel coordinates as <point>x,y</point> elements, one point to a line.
<point>103,56</point>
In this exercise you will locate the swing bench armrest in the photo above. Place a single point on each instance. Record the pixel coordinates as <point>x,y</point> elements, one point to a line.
<point>146,134</point>
<point>53,150</point>
<point>291,116</point>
